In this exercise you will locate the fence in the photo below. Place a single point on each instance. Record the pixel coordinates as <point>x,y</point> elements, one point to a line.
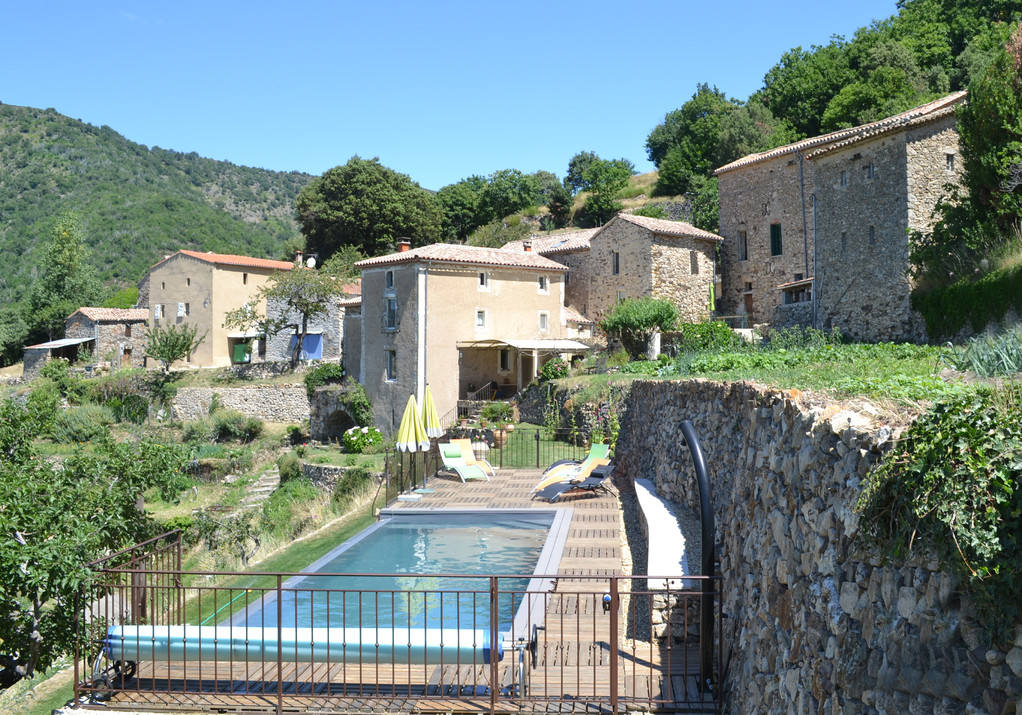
<point>268,642</point>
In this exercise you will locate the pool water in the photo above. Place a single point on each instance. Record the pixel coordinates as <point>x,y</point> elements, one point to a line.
<point>411,551</point>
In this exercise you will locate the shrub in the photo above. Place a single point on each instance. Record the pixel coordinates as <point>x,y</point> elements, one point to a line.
<point>801,336</point>
<point>357,439</point>
<point>71,387</point>
<point>43,404</point>
<point>200,430</point>
<point>553,369</point>
<point>290,466</point>
<point>987,355</point>
<point>651,211</point>
<point>711,335</point>
<point>295,436</point>
<point>352,483</point>
<point>81,424</point>
<point>323,375</point>
<point>281,515</point>
<point>642,367</point>
<point>184,522</point>
<point>497,412</point>
<point>233,426</point>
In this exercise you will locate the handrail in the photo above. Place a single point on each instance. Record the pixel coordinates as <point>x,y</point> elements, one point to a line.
<point>708,548</point>
<point>474,396</point>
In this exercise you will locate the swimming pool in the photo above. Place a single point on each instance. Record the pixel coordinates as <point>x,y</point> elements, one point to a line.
<point>392,574</point>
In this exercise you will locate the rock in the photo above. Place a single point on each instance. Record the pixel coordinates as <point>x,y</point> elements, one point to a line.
<point>1014,661</point>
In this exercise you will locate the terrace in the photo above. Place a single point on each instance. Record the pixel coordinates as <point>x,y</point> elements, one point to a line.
<point>604,641</point>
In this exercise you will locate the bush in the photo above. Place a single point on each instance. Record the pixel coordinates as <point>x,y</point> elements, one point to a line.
<point>323,375</point>
<point>81,424</point>
<point>711,335</point>
<point>295,436</point>
<point>553,369</point>
<point>358,439</point>
<point>184,522</point>
<point>497,412</point>
<point>200,430</point>
<point>353,482</point>
<point>233,426</point>
<point>281,511</point>
<point>290,466</point>
<point>71,387</point>
<point>988,356</point>
<point>800,336</point>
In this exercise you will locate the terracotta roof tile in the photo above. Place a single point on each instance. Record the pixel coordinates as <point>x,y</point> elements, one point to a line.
<point>546,245</point>
<point>226,259</point>
<point>664,227</point>
<point>120,315</point>
<point>572,314</point>
<point>843,137</point>
<point>470,255</point>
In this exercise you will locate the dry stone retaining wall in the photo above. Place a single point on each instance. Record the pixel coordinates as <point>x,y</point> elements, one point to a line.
<point>814,622</point>
<point>274,403</point>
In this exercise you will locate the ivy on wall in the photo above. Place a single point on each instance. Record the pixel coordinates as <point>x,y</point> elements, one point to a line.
<point>970,302</point>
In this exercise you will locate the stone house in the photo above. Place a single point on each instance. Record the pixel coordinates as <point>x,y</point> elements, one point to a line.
<point>200,289</point>
<point>117,335</point>
<point>816,232</point>
<point>325,334</point>
<point>458,318</point>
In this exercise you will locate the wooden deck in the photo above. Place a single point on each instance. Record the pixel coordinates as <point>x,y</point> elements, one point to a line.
<point>567,670</point>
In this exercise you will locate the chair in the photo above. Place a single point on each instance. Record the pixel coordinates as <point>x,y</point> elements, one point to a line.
<point>453,461</point>
<point>593,483</point>
<point>468,454</point>
<point>568,470</point>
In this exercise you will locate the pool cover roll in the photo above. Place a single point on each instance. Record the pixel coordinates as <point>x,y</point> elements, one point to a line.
<point>302,645</point>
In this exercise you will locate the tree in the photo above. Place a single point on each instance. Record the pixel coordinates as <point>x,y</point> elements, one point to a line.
<point>66,281</point>
<point>13,331</point>
<point>56,520</point>
<point>548,183</point>
<point>576,167</point>
<point>172,343</point>
<point>604,179</point>
<point>341,265</point>
<point>506,192</point>
<point>801,85</point>
<point>460,205</point>
<point>496,233</point>
<point>637,321</point>
<point>368,206</point>
<point>560,205</point>
<point>292,299</point>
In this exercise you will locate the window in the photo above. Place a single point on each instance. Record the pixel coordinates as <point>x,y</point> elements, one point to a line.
<point>391,357</point>
<point>775,239</point>
<point>693,259</point>
<point>188,281</point>
<point>567,277</point>
<point>621,296</point>
<point>844,178</point>
<point>163,285</point>
<point>844,241</point>
<point>390,313</point>
<point>544,321</point>
<point>312,347</point>
<point>949,162</point>
<point>544,284</point>
<point>484,280</point>
<point>504,361</point>
<point>615,263</point>
<point>480,319</point>
<point>188,308</point>
<point>872,236</point>
<point>157,312</point>
<point>389,280</point>
<point>127,331</point>
<point>743,246</point>
<point>244,279</point>
<point>870,171</point>
<point>748,286</point>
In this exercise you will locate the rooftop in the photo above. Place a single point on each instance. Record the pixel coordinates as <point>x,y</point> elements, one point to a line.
<point>663,227</point>
<point>815,146</point>
<point>226,259</point>
<point>546,245</point>
<point>468,255</point>
<point>118,315</point>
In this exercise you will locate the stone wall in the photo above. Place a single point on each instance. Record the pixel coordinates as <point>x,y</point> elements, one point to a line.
<point>324,476</point>
<point>273,403</point>
<point>814,623</point>
<point>329,326</point>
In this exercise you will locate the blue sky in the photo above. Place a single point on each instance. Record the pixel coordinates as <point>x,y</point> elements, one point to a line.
<point>438,91</point>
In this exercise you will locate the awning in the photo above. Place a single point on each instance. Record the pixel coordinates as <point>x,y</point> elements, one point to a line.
<point>553,346</point>
<point>62,343</point>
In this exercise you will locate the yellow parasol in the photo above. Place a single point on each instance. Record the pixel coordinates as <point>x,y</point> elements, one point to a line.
<point>430,419</point>
<point>411,435</point>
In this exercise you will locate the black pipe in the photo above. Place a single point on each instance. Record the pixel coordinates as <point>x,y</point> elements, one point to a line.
<point>708,552</point>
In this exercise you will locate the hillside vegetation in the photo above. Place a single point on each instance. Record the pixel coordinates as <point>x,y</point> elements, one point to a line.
<point>136,204</point>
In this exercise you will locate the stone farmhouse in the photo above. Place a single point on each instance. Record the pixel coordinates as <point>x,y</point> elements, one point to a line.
<point>325,335</point>
<point>458,318</point>
<point>633,257</point>
<point>816,232</point>
<point>113,336</point>
<point>199,289</point>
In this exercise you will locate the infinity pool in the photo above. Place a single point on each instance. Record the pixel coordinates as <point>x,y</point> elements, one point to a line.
<point>389,576</point>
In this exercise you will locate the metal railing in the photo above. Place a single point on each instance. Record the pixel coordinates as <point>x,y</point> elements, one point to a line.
<point>265,642</point>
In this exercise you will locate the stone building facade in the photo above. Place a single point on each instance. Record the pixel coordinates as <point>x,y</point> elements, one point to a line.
<point>118,336</point>
<point>824,221</point>
<point>325,332</point>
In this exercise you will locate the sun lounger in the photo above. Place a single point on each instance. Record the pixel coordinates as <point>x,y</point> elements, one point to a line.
<point>569,470</point>
<point>455,462</point>
<point>592,484</point>
<point>468,454</point>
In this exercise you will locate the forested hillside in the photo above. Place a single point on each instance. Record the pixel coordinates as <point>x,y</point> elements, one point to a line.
<point>136,204</point>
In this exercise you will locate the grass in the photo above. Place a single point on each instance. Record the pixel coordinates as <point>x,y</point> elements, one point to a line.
<point>333,456</point>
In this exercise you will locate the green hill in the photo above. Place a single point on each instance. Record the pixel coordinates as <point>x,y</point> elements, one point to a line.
<point>136,204</point>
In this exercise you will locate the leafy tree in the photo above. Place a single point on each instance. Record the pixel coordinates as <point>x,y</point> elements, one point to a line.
<point>172,343</point>
<point>66,281</point>
<point>560,204</point>
<point>292,299</point>
<point>341,265</point>
<point>506,192</point>
<point>750,128</point>
<point>57,519</point>
<point>368,206</point>
<point>548,183</point>
<point>801,85</point>
<point>13,331</point>
<point>460,204</point>
<point>124,298</point>
<point>635,321</point>
<point>604,179</point>
<point>496,233</point>
<point>576,168</point>
<point>706,204</point>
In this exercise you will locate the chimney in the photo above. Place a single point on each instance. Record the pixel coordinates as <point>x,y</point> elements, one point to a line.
<point>403,245</point>
<point>527,245</point>
<point>298,258</point>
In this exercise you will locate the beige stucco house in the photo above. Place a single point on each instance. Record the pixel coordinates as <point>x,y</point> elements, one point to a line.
<point>816,232</point>
<point>200,289</point>
<point>458,318</point>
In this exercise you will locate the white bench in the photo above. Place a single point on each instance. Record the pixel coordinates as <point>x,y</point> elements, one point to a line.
<point>665,544</point>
